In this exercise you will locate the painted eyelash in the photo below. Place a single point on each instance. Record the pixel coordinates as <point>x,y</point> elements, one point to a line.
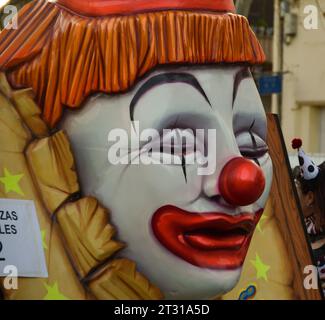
<point>183,163</point>
<point>184,167</point>
<point>172,150</point>
<point>256,152</point>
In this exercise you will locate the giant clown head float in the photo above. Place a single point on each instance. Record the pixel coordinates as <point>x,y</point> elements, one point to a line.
<point>135,79</point>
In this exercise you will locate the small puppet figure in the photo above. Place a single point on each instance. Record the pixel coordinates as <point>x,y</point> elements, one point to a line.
<point>78,73</point>
<point>310,182</point>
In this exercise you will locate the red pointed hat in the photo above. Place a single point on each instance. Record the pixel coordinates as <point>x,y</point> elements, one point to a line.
<point>110,7</point>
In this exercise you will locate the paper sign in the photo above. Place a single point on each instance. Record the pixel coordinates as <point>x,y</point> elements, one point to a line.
<point>20,239</point>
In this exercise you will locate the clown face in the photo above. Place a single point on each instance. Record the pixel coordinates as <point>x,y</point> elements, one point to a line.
<point>188,232</point>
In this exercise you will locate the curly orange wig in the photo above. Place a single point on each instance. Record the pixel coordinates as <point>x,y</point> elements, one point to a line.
<point>64,56</point>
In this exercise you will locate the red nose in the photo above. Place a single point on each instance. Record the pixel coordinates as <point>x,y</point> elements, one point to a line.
<point>241,182</point>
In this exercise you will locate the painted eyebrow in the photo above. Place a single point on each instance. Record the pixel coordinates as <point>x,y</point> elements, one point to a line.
<point>163,79</point>
<point>242,74</point>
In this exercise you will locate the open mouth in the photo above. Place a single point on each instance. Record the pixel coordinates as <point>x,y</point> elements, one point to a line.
<point>206,240</point>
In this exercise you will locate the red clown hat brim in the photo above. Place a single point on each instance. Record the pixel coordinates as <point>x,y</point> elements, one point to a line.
<point>119,7</point>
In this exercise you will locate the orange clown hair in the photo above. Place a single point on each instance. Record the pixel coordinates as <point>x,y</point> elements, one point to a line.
<point>64,56</point>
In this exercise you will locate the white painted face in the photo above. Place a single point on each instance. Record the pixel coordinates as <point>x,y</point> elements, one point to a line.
<point>202,97</point>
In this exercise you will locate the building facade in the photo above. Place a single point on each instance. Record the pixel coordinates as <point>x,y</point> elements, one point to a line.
<point>303,98</point>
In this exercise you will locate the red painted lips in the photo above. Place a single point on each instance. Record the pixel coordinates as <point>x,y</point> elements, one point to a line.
<point>206,240</point>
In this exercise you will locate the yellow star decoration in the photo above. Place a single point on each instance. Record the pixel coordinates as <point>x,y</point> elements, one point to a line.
<point>53,293</point>
<point>261,268</point>
<point>11,182</point>
<point>43,234</point>
<point>259,225</point>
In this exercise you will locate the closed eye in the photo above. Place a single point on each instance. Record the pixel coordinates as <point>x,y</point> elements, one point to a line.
<point>253,153</point>
<point>251,146</point>
<point>176,145</point>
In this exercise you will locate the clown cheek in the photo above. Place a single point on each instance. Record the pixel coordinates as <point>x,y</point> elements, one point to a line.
<point>268,172</point>
<point>152,186</point>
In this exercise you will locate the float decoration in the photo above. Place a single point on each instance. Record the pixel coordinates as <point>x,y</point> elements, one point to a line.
<point>83,223</point>
<point>66,51</point>
<point>309,170</point>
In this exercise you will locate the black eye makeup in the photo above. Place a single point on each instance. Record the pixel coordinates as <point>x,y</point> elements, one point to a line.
<point>165,78</point>
<point>251,146</point>
<point>176,146</point>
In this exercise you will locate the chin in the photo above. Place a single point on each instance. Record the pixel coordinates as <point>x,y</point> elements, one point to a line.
<point>188,255</point>
<point>177,278</point>
<point>203,251</point>
<point>201,284</point>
